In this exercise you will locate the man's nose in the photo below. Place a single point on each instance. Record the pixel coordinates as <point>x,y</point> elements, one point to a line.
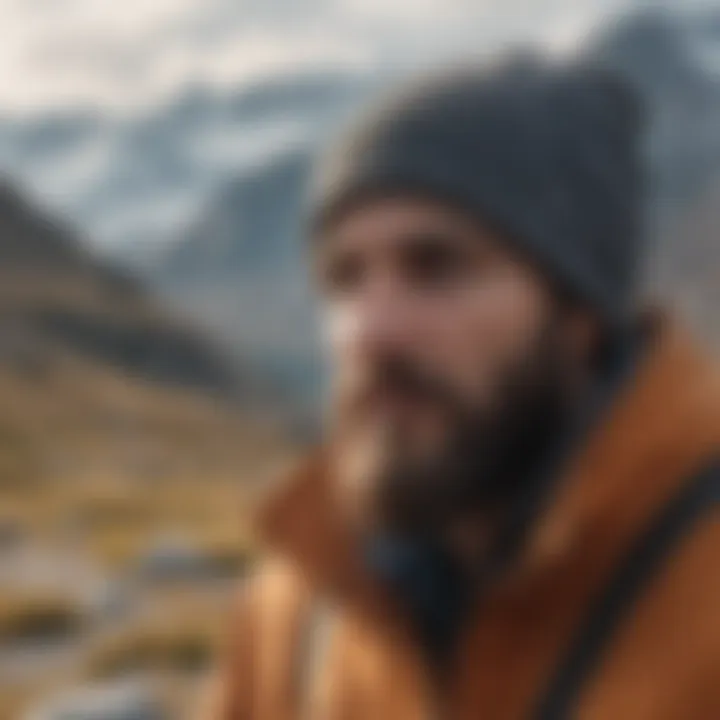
<point>378,323</point>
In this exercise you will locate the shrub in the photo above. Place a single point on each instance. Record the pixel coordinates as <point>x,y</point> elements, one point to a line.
<point>145,650</point>
<point>39,618</point>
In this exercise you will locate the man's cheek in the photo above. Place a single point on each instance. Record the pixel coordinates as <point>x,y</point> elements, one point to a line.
<point>428,431</point>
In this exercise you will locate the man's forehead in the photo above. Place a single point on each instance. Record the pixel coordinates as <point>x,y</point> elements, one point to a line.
<point>380,222</point>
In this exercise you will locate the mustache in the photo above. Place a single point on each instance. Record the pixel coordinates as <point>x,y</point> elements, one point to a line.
<point>399,377</point>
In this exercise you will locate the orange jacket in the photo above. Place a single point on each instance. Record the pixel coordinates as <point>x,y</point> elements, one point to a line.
<point>662,662</point>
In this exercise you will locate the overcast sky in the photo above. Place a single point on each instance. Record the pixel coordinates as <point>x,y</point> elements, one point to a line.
<point>128,53</point>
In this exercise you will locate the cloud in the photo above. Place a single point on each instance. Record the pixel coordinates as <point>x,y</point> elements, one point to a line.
<point>136,169</point>
<point>130,53</point>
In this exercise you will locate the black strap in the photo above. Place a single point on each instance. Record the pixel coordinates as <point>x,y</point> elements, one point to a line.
<point>696,498</point>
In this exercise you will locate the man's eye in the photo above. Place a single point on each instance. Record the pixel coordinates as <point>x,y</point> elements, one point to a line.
<point>433,264</point>
<point>340,276</point>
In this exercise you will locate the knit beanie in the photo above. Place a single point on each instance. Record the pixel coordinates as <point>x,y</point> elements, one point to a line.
<point>547,153</point>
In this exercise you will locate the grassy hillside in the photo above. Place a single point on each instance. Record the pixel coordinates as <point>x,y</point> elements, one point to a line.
<point>128,449</point>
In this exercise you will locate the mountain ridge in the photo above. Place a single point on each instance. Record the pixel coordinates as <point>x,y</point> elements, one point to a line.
<point>219,271</point>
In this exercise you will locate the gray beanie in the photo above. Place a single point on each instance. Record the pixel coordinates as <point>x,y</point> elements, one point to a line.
<point>547,154</point>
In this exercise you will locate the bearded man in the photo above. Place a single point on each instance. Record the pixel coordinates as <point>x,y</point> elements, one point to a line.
<point>514,512</point>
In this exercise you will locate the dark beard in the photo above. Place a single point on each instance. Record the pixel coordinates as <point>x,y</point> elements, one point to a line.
<point>494,457</point>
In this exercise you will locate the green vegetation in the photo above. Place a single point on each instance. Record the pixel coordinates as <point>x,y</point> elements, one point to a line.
<point>152,650</point>
<point>28,618</point>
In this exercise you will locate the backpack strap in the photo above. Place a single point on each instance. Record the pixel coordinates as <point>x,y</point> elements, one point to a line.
<point>697,498</point>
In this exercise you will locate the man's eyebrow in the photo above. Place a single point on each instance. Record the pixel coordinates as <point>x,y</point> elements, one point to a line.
<point>431,237</point>
<point>438,238</point>
<point>449,235</point>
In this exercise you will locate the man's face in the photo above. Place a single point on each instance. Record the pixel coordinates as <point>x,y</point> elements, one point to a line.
<point>446,350</point>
